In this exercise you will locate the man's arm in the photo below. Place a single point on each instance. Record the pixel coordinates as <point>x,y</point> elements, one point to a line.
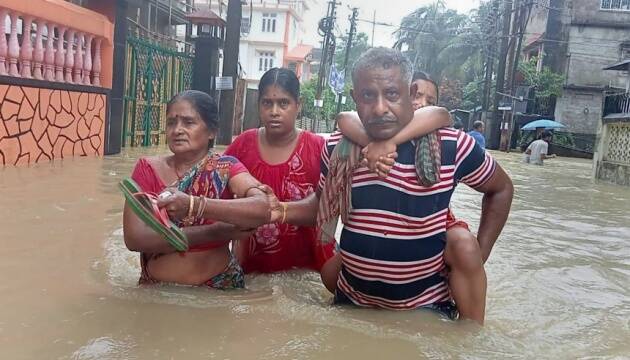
<point>544,156</point>
<point>497,200</point>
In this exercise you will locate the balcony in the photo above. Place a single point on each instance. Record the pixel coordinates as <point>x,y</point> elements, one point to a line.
<point>56,41</point>
<point>543,106</point>
<point>616,105</point>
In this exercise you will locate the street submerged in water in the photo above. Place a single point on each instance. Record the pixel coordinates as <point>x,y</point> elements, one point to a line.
<point>558,281</point>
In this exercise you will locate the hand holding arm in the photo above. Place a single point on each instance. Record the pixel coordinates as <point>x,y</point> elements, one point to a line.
<point>140,237</point>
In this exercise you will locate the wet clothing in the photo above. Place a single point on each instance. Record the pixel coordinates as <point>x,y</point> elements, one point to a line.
<point>445,308</point>
<point>479,138</point>
<point>209,178</point>
<point>231,277</point>
<point>537,148</point>
<point>279,247</point>
<point>393,243</point>
<point>452,221</point>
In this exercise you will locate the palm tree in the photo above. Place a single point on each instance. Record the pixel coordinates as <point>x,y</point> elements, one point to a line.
<point>444,43</point>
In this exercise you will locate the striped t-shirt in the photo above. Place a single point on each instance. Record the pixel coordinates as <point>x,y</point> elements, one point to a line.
<point>393,244</point>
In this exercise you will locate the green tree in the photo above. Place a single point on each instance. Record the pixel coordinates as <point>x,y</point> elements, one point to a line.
<point>450,45</point>
<point>359,46</point>
<point>546,82</point>
<point>450,93</point>
<point>328,112</point>
<point>430,34</point>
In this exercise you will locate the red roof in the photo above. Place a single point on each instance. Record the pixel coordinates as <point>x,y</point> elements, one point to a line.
<point>532,39</point>
<point>299,52</point>
<point>205,16</point>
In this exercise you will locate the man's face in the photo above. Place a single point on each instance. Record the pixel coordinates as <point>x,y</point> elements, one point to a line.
<point>425,94</point>
<point>383,101</point>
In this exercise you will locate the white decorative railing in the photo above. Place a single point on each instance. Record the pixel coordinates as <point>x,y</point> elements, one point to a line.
<point>50,45</point>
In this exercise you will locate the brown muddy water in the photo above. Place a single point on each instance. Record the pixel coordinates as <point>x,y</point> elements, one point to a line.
<point>559,281</point>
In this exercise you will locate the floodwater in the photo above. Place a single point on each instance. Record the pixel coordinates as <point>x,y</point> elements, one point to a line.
<point>559,281</point>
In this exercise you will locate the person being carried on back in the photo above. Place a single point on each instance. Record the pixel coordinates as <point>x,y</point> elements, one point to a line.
<point>467,278</point>
<point>392,247</point>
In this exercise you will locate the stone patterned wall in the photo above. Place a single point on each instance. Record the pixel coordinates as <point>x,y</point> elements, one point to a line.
<point>38,124</point>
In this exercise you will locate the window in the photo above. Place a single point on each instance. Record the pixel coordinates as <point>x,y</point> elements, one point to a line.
<point>292,66</point>
<point>618,5</point>
<point>265,60</point>
<point>269,22</point>
<point>245,25</point>
<point>624,50</point>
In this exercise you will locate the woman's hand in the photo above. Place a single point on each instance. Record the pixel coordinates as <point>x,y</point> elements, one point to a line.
<point>277,209</point>
<point>379,157</point>
<point>176,203</point>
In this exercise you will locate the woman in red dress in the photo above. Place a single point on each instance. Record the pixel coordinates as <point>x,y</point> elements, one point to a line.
<point>286,159</point>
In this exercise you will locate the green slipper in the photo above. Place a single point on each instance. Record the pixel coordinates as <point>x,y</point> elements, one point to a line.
<point>144,206</point>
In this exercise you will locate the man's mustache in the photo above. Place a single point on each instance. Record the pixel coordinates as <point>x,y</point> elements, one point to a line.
<point>382,120</point>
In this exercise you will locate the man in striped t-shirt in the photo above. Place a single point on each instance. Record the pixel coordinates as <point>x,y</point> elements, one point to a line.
<point>392,246</point>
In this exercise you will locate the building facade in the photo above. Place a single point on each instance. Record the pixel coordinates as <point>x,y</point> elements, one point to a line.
<point>579,38</point>
<point>272,34</point>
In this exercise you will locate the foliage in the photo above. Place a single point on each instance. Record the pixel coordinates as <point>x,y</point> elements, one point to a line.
<point>564,138</point>
<point>472,93</point>
<point>359,46</point>
<point>546,82</point>
<point>329,110</point>
<point>450,45</point>
<point>444,43</point>
<point>450,94</point>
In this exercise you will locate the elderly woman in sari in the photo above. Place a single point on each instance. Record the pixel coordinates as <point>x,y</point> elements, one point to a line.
<point>199,183</point>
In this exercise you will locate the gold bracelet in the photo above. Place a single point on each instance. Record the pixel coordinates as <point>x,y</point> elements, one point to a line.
<point>201,208</point>
<point>284,212</point>
<point>248,189</point>
<point>188,220</point>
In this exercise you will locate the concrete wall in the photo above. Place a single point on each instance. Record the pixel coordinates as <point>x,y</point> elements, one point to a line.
<point>591,49</point>
<point>589,12</point>
<point>580,110</point>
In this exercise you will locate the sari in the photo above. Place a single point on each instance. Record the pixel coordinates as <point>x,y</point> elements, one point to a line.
<point>208,178</point>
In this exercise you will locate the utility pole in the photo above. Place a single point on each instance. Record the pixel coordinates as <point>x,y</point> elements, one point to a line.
<point>522,16</point>
<point>353,29</point>
<point>509,67</point>
<point>495,125</point>
<point>373,26</point>
<point>491,41</point>
<point>230,69</point>
<point>326,25</point>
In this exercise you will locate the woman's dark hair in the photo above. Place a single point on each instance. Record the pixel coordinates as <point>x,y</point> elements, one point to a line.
<point>203,103</point>
<point>421,75</point>
<point>284,78</point>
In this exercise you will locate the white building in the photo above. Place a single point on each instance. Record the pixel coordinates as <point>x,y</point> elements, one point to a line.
<point>271,36</point>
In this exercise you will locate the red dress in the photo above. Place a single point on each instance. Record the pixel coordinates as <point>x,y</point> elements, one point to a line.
<point>278,247</point>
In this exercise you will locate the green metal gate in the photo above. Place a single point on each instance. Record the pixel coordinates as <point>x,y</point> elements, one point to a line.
<point>154,74</point>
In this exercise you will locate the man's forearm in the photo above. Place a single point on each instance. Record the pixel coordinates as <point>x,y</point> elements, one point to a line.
<point>494,213</point>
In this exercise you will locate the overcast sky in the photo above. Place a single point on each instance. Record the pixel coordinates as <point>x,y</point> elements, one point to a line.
<point>387,11</point>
